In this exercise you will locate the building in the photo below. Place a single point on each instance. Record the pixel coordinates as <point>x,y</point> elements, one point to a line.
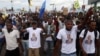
<point>93,1</point>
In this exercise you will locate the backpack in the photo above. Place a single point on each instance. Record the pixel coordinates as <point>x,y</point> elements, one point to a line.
<point>85,33</point>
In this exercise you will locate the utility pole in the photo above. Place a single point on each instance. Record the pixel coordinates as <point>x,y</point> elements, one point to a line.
<point>83,6</point>
<point>12,9</point>
<point>29,9</point>
<point>53,6</point>
<point>83,2</point>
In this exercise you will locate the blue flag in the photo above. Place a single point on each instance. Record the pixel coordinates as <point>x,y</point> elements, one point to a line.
<point>42,10</point>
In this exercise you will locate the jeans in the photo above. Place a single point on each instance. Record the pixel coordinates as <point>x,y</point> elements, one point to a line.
<point>72,54</point>
<point>49,45</point>
<point>25,46</point>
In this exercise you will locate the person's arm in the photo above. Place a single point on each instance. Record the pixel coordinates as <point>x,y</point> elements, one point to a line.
<point>82,49</point>
<point>57,48</point>
<point>20,44</point>
<point>42,32</point>
<point>80,42</point>
<point>97,46</point>
<point>19,41</point>
<point>97,38</point>
<point>97,42</point>
<point>45,31</point>
<point>58,44</point>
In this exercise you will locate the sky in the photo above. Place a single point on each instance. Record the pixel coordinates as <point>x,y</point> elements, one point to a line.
<point>19,4</point>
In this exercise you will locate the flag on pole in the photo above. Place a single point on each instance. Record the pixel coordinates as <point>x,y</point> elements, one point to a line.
<point>42,10</point>
<point>30,2</point>
<point>76,4</point>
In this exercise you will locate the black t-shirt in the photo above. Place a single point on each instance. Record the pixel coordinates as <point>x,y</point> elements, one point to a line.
<point>25,35</point>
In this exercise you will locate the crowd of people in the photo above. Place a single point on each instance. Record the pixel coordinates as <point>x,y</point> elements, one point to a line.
<point>76,34</point>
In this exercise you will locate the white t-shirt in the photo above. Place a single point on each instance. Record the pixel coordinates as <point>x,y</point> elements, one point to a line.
<point>68,40</point>
<point>44,23</point>
<point>34,37</point>
<point>89,41</point>
<point>11,39</point>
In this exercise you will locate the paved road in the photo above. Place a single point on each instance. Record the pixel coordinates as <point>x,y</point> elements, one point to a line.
<point>42,53</point>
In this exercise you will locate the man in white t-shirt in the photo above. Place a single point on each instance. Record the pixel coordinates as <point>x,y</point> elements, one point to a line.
<point>89,40</point>
<point>34,39</point>
<point>12,40</point>
<point>67,40</point>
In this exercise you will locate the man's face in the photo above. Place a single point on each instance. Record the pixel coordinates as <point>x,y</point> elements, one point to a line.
<point>34,26</point>
<point>69,25</point>
<point>45,19</point>
<point>50,21</point>
<point>93,25</point>
<point>9,26</point>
